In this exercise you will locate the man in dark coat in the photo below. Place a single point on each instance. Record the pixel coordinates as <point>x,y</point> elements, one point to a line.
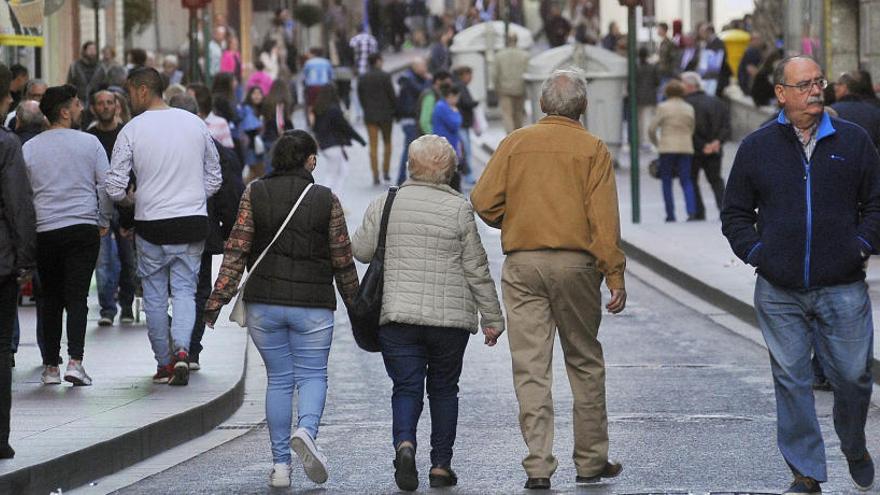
<point>802,206</point>
<point>852,107</point>
<point>17,250</point>
<point>712,129</point>
<point>376,94</point>
<point>29,120</point>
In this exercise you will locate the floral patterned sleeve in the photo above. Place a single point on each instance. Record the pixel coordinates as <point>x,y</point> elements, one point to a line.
<point>340,254</point>
<point>235,257</point>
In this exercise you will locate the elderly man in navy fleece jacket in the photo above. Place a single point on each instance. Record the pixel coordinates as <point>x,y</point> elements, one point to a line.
<point>802,205</point>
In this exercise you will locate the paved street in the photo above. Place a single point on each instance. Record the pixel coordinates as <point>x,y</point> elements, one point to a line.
<point>690,404</point>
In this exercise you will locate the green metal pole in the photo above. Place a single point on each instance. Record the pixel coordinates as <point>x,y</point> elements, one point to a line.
<point>633,118</point>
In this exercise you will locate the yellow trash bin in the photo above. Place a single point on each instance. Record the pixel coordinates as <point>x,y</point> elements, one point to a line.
<point>735,41</point>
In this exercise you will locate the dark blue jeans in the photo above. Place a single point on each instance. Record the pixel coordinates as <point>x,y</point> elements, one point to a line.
<point>410,133</point>
<point>412,354</point>
<point>116,269</point>
<point>669,164</point>
<point>837,322</point>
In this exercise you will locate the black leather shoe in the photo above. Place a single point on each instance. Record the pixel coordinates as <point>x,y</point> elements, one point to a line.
<point>405,473</point>
<point>7,452</point>
<point>443,480</point>
<point>538,484</point>
<point>611,470</point>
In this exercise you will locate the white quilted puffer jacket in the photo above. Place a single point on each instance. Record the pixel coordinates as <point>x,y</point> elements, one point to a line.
<point>436,270</point>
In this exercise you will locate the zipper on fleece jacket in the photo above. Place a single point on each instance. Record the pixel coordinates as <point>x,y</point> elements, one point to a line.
<point>809,186</point>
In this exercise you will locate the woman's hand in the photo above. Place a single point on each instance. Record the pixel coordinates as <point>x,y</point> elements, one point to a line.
<point>491,336</point>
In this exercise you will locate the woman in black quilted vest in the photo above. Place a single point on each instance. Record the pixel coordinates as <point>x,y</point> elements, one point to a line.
<point>289,296</point>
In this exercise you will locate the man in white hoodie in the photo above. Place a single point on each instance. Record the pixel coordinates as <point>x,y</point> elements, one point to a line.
<point>177,169</point>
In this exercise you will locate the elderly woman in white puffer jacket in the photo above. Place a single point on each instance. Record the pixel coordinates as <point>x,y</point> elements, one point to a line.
<point>436,280</point>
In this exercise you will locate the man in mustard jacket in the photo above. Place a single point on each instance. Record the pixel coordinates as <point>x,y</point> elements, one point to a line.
<point>550,189</point>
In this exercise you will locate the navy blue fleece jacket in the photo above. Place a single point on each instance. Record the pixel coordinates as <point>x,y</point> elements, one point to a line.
<point>804,223</point>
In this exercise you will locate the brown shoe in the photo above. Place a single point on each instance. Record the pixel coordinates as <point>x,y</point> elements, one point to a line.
<point>611,470</point>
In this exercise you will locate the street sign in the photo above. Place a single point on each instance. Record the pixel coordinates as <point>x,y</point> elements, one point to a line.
<point>195,4</point>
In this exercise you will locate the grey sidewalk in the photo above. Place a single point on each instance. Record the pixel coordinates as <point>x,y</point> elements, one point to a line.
<point>65,436</point>
<point>692,255</point>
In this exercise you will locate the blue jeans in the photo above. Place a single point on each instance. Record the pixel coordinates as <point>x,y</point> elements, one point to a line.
<point>116,269</point>
<point>412,354</point>
<point>410,133</point>
<point>464,135</point>
<point>669,163</point>
<point>294,343</point>
<point>839,318</point>
<point>161,266</point>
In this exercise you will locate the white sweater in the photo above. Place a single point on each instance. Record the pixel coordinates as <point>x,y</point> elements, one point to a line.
<point>174,160</point>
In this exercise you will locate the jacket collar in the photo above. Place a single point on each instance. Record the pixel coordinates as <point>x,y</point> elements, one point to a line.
<point>825,129</point>
<point>440,187</point>
<point>300,172</point>
<point>560,120</point>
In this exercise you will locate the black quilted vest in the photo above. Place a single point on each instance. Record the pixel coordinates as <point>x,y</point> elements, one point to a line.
<point>297,270</point>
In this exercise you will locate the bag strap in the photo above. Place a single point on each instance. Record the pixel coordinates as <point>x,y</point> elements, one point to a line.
<point>386,212</point>
<point>277,235</point>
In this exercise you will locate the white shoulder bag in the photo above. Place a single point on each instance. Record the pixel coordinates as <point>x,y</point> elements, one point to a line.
<point>239,309</point>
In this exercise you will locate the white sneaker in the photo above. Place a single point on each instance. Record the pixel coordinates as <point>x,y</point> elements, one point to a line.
<point>313,460</point>
<point>76,374</point>
<point>51,375</point>
<point>280,476</point>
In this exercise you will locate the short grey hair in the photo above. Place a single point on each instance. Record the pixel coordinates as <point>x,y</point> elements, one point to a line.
<point>779,70</point>
<point>692,79</point>
<point>28,114</point>
<point>565,93</point>
<point>184,102</point>
<point>31,84</point>
<point>431,159</point>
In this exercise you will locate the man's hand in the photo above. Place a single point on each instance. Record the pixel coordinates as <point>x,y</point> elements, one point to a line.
<point>103,231</point>
<point>618,301</point>
<point>126,233</point>
<point>491,336</point>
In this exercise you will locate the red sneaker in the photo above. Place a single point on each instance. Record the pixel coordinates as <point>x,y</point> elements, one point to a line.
<point>180,374</point>
<point>163,374</point>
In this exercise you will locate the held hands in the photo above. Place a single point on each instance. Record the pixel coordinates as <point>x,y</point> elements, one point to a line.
<point>492,335</point>
<point>618,301</point>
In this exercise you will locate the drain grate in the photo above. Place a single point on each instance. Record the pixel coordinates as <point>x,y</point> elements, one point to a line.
<point>243,426</point>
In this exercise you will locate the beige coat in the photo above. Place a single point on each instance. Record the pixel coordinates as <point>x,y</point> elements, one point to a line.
<point>508,69</point>
<point>436,270</point>
<point>675,119</point>
<point>551,186</point>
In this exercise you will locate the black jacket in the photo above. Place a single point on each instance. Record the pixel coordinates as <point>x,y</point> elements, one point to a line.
<point>297,270</point>
<point>712,120</point>
<point>863,113</point>
<point>804,223</point>
<point>376,94</point>
<point>331,129</point>
<point>466,105</point>
<point>411,87</point>
<point>18,228</point>
<point>223,205</point>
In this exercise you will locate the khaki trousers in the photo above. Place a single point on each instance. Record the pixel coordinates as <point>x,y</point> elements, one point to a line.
<point>512,111</point>
<point>543,291</point>
<point>373,133</point>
